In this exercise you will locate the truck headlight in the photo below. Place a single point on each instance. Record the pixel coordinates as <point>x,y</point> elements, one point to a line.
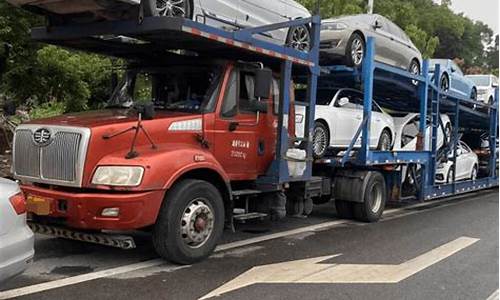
<point>118,176</point>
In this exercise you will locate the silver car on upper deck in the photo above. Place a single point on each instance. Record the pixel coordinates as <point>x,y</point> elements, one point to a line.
<point>344,39</point>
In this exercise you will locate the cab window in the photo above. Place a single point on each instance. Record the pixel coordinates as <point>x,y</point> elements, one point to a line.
<point>240,94</point>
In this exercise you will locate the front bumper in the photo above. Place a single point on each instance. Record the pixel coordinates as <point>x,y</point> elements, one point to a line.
<point>83,210</point>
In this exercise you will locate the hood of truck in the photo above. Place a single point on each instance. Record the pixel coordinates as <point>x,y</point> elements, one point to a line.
<point>104,117</point>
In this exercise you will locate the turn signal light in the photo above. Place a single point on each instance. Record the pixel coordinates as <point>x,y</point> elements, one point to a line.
<point>18,202</point>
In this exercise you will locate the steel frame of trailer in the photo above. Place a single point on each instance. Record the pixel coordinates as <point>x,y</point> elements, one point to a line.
<point>211,42</point>
<point>425,91</point>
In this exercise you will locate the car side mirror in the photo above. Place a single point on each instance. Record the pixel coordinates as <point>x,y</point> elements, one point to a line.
<point>377,25</point>
<point>263,81</point>
<point>495,85</point>
<point>343,102</point>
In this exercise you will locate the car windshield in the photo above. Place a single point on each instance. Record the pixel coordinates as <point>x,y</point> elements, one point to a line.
<point>480,80</point>
<point>179,88</point>
<point>434,62</point>
<point>323,97</point>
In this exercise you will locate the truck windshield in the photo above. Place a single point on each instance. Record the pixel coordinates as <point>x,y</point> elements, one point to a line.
<point>180,88</point>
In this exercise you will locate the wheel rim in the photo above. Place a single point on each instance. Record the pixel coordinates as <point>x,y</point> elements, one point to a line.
<point>376,198</point>
<point>474,174</point>
<point>448,134</point>
<point>357,51</point>
<point>415,70</point>
<point>197,223</point>
<point>320,141</point>
<point>171,8</point>
<point>385,145</point>
<point>301,39</point>
<point>445,86</point>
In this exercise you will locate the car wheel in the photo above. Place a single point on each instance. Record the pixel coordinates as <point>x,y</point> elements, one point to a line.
<point>447,132</point>
<point>445,83</point>
<point>385,141</point>
<point>355,50</point>
<point>414,69</point>
<point>449,178</point>
<point>473,175</point>
<point>168,8</point>
<point>299,38</point>
<point>321,139</point>
<point>190,222</point>
<point>473,94</point>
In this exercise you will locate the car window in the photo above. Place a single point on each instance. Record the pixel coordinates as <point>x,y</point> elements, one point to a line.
<point>465,148</point>
<point>355,99</point>
<point>455,68</point>
<point>229,107</point>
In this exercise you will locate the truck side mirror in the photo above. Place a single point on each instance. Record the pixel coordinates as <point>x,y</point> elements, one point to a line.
<point>263,81</point>
<point>343,101</point>
<point>259,106</point>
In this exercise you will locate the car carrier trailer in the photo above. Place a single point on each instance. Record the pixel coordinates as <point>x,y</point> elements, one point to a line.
<point>187,174</point>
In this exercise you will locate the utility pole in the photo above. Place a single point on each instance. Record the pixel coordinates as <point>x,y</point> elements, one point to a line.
<point>370,6</point>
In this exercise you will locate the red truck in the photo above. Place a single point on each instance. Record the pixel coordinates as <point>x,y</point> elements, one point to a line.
<point>178,163</point>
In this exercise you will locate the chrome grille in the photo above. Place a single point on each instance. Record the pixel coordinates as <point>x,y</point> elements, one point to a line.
<point>60,158</point>
<point>27,160</point>
<point>60,162</point>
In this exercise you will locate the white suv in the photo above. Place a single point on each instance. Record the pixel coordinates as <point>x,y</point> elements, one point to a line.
<point>486,85</point>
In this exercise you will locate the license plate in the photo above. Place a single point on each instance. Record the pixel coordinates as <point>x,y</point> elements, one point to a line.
<point>38,205</point>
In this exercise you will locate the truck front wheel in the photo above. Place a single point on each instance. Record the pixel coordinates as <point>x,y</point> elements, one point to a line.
<point>190,222</point>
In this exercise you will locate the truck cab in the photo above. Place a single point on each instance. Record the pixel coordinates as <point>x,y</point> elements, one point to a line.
<point>113,169</point>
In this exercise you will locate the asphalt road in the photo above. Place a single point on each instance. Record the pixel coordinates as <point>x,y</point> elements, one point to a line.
<point>72,270</point>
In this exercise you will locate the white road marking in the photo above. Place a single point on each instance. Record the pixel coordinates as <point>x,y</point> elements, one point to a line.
<point>311,270</point>
<point>46,286</point>
<point>494,296</point>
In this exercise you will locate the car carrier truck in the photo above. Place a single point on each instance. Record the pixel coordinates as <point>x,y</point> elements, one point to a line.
<point>199,134</point>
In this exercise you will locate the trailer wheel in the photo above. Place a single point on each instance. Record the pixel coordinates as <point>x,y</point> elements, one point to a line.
<point>345,209</point>
<point>190,222</point>
<point>374,198</point>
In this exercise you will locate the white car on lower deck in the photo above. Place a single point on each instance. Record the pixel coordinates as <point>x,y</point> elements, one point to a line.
<point>339,114</point>
<point>16,238</point>
<point>467,166</point>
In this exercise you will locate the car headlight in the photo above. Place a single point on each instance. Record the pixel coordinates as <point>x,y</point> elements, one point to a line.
<point>334,26</point>
<point>299,119</point>
<point>118,176</point>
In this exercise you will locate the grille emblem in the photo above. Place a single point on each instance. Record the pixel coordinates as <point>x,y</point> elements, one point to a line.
<point>42,137</point>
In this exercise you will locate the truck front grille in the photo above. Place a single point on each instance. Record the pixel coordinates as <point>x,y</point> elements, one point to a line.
<point>58,162</point>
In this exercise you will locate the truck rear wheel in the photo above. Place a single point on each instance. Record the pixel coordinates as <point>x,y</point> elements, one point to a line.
<point>190,222</point>
<point>374,198</point>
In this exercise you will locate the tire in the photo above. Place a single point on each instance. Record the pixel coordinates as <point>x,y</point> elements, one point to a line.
<point>473,175</point>
<point>345,209</point>
<point>444,83</point>
<point>414,69</point>
<point>182,9</point>
<point>375,195</point>
<point>449,177</point>
<point>355,50</point>
<point>299,38</point>
<point>384,141</point>
<point>192,201</point>
<point>321,139</point>
<point>448,133</point>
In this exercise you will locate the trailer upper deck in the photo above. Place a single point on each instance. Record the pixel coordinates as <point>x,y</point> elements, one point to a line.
<point>155,36</point>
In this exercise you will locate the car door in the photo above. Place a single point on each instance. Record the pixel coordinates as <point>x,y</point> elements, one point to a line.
<point>220,13</point>
<point>400,50</point>
<point>236,138</point>
<point>458,83</point>
<point>261,12</point>
<point>384,42</point>
<point>350,117</point>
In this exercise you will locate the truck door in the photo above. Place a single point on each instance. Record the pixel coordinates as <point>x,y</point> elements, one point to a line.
<point>237,144</point>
